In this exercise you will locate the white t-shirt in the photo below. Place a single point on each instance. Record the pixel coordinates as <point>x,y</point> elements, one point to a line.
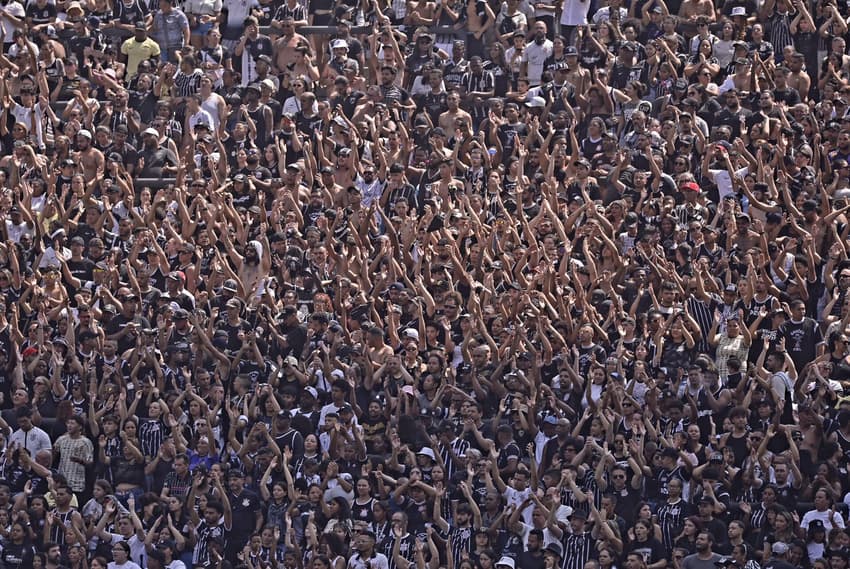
<point>515,498</point>
<point>127,565</point>
<point>813,515</point>
<point>574,13</point>
<point>202,117</point>
<point>137,548</point>
<point>16,231</point>
<point>377,561</point>
<point>13,9</point>
<point>535,56</point>
<point>24,115</point>
<point>548,536</point>
<point>33,440</point>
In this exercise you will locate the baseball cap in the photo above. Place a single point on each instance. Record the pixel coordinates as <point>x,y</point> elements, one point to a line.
<point>779,548</point>
<point>426,451</point>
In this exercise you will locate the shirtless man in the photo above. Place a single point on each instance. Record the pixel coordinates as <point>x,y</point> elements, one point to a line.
<point>284,46</point>
<point>446,187</point>
<point>690,10</point>
<point>89,157</point>
<point>254,266</point>
<point>479,19</point>
<point>345,171</point>
<point>577,76</point>
<point>799,79</point>
<point>376,349</point>
<point>454,112</point>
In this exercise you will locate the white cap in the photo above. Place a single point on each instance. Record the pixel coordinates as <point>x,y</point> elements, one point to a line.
<point>268,84</point>
<point>536,102</point>
<point>411,333</point>
<point>84,133</point>
<point>312,391</point>
<point>338,374</point>
<point>426,451</point>
<point>507,562</point>
<point>149,131</point>
<point>338,44</point>
<point>739,11</point>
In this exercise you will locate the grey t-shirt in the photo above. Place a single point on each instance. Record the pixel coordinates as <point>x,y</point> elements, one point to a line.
<point>694,562</point>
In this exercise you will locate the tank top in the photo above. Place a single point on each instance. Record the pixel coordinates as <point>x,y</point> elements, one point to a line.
<point>211,106</point>
<point>259,118</point>
<point>739,449</point>
<point>362,512</point>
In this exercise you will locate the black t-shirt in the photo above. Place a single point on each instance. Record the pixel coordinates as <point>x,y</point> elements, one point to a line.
<point>507,136</point>
<point>651,550</point>
<point>801,340</point>
<point>244,508</point>
<point>39,15</point>
<point>17,555</point>
<point>82,269</point>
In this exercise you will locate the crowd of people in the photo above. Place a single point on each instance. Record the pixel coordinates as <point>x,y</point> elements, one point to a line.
<point>452,284</point>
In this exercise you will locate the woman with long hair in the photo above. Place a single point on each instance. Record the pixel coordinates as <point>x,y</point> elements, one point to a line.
<point>703,61</point>
<point>783,529</point>
<point>675,343</point>
<point>643,540</point>
<point>497,64</point>
<point>17,551</point>
<point>687,539</point>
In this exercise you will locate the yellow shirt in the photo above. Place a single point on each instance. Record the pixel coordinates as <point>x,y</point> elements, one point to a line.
<point>137,52</point>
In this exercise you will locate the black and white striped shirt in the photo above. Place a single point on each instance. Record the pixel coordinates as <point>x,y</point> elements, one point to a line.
<point>205,533</point>
<point>63,521</point>
<point>671,517</point>
<point>298,13</point>
<point>405,548</point>
<point>187,85</point>
<point>152,433</point>
<point>459,446</point>
<point>703,313</point>
<point>578,549</point>
<point>461,540</point>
